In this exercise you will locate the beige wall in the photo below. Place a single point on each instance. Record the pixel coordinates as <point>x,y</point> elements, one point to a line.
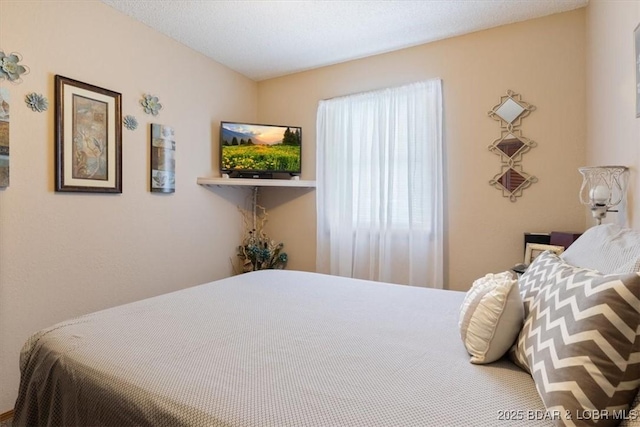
<point>62,255</point>
<point>542,59</point>
<point>613,131</point>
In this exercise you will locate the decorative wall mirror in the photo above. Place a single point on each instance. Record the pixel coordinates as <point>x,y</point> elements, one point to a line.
<point>512,181</point>
<point>511,110</point>
<point>511,145</point>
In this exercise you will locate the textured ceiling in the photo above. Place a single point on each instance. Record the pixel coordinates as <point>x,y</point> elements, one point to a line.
<point>263,39</point>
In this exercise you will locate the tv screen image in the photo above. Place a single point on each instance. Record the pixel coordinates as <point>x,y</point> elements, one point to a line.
<point>259,149</point>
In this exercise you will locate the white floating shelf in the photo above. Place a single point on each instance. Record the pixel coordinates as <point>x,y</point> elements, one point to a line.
<point>249,182</point>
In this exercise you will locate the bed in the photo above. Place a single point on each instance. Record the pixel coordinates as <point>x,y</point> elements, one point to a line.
<point>272,348</point>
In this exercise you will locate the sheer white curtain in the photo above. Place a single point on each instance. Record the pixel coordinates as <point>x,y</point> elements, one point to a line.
<point>380,185</point>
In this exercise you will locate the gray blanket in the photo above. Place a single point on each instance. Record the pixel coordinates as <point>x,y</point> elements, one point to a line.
<point>271,348</point>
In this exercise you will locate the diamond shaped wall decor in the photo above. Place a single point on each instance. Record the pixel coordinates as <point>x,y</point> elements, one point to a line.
<point>511,145</point>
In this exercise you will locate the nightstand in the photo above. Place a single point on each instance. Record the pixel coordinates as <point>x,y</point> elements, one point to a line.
<point>519,269</point>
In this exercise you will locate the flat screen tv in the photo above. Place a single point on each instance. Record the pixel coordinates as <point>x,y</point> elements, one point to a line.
<point>248,149</point>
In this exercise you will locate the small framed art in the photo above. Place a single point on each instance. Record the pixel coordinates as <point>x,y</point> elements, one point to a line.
<point>4,137</point>
<point>532,250</point>
<point>163,159</point>
<point>88,134</point>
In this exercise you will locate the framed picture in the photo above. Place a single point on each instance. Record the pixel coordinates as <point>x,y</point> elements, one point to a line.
<point>636,37</point>
<point>4,137</point>
<point>532,250</point>
<point>88,133</point>
<point>163,159</point>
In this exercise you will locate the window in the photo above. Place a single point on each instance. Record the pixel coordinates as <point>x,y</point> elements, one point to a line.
<point>379,165</point>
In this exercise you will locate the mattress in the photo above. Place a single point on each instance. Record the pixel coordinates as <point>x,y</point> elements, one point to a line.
<point>271,348</point>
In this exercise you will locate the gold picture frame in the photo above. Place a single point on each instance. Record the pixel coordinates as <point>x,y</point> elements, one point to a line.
<point>532,250</point>
<point>88,133</point>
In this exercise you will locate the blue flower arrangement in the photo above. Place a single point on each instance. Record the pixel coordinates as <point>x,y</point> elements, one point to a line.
<point>258,251</point>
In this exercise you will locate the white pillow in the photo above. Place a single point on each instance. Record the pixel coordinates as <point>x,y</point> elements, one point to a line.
<point>608,248</point>
<point>491,317</point>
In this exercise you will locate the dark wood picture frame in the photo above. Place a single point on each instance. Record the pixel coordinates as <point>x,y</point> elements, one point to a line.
<point>88,134</point>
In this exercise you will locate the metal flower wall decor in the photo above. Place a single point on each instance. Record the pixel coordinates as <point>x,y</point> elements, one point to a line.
<point>37,102</point>
<point>10,69</point>
<point>130,122</point>
<point>151,104</point>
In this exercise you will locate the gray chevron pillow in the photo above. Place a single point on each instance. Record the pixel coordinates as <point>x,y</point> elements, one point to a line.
<point>538,274</point>
<point>581,344</point>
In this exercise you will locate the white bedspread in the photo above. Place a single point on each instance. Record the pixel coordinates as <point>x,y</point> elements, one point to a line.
<point>271,348</point>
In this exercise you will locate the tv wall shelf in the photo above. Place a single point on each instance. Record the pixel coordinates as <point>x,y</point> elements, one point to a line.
<point>250,182</point>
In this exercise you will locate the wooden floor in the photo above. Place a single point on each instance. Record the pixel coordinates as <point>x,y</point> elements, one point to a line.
<point>6,419</point>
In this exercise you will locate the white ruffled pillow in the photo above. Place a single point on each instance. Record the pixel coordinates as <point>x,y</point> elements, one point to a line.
<point>491,317</point>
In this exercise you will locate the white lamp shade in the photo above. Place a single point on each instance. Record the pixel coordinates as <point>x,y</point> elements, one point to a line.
<point>603,187</point>
<point>599,195</point>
